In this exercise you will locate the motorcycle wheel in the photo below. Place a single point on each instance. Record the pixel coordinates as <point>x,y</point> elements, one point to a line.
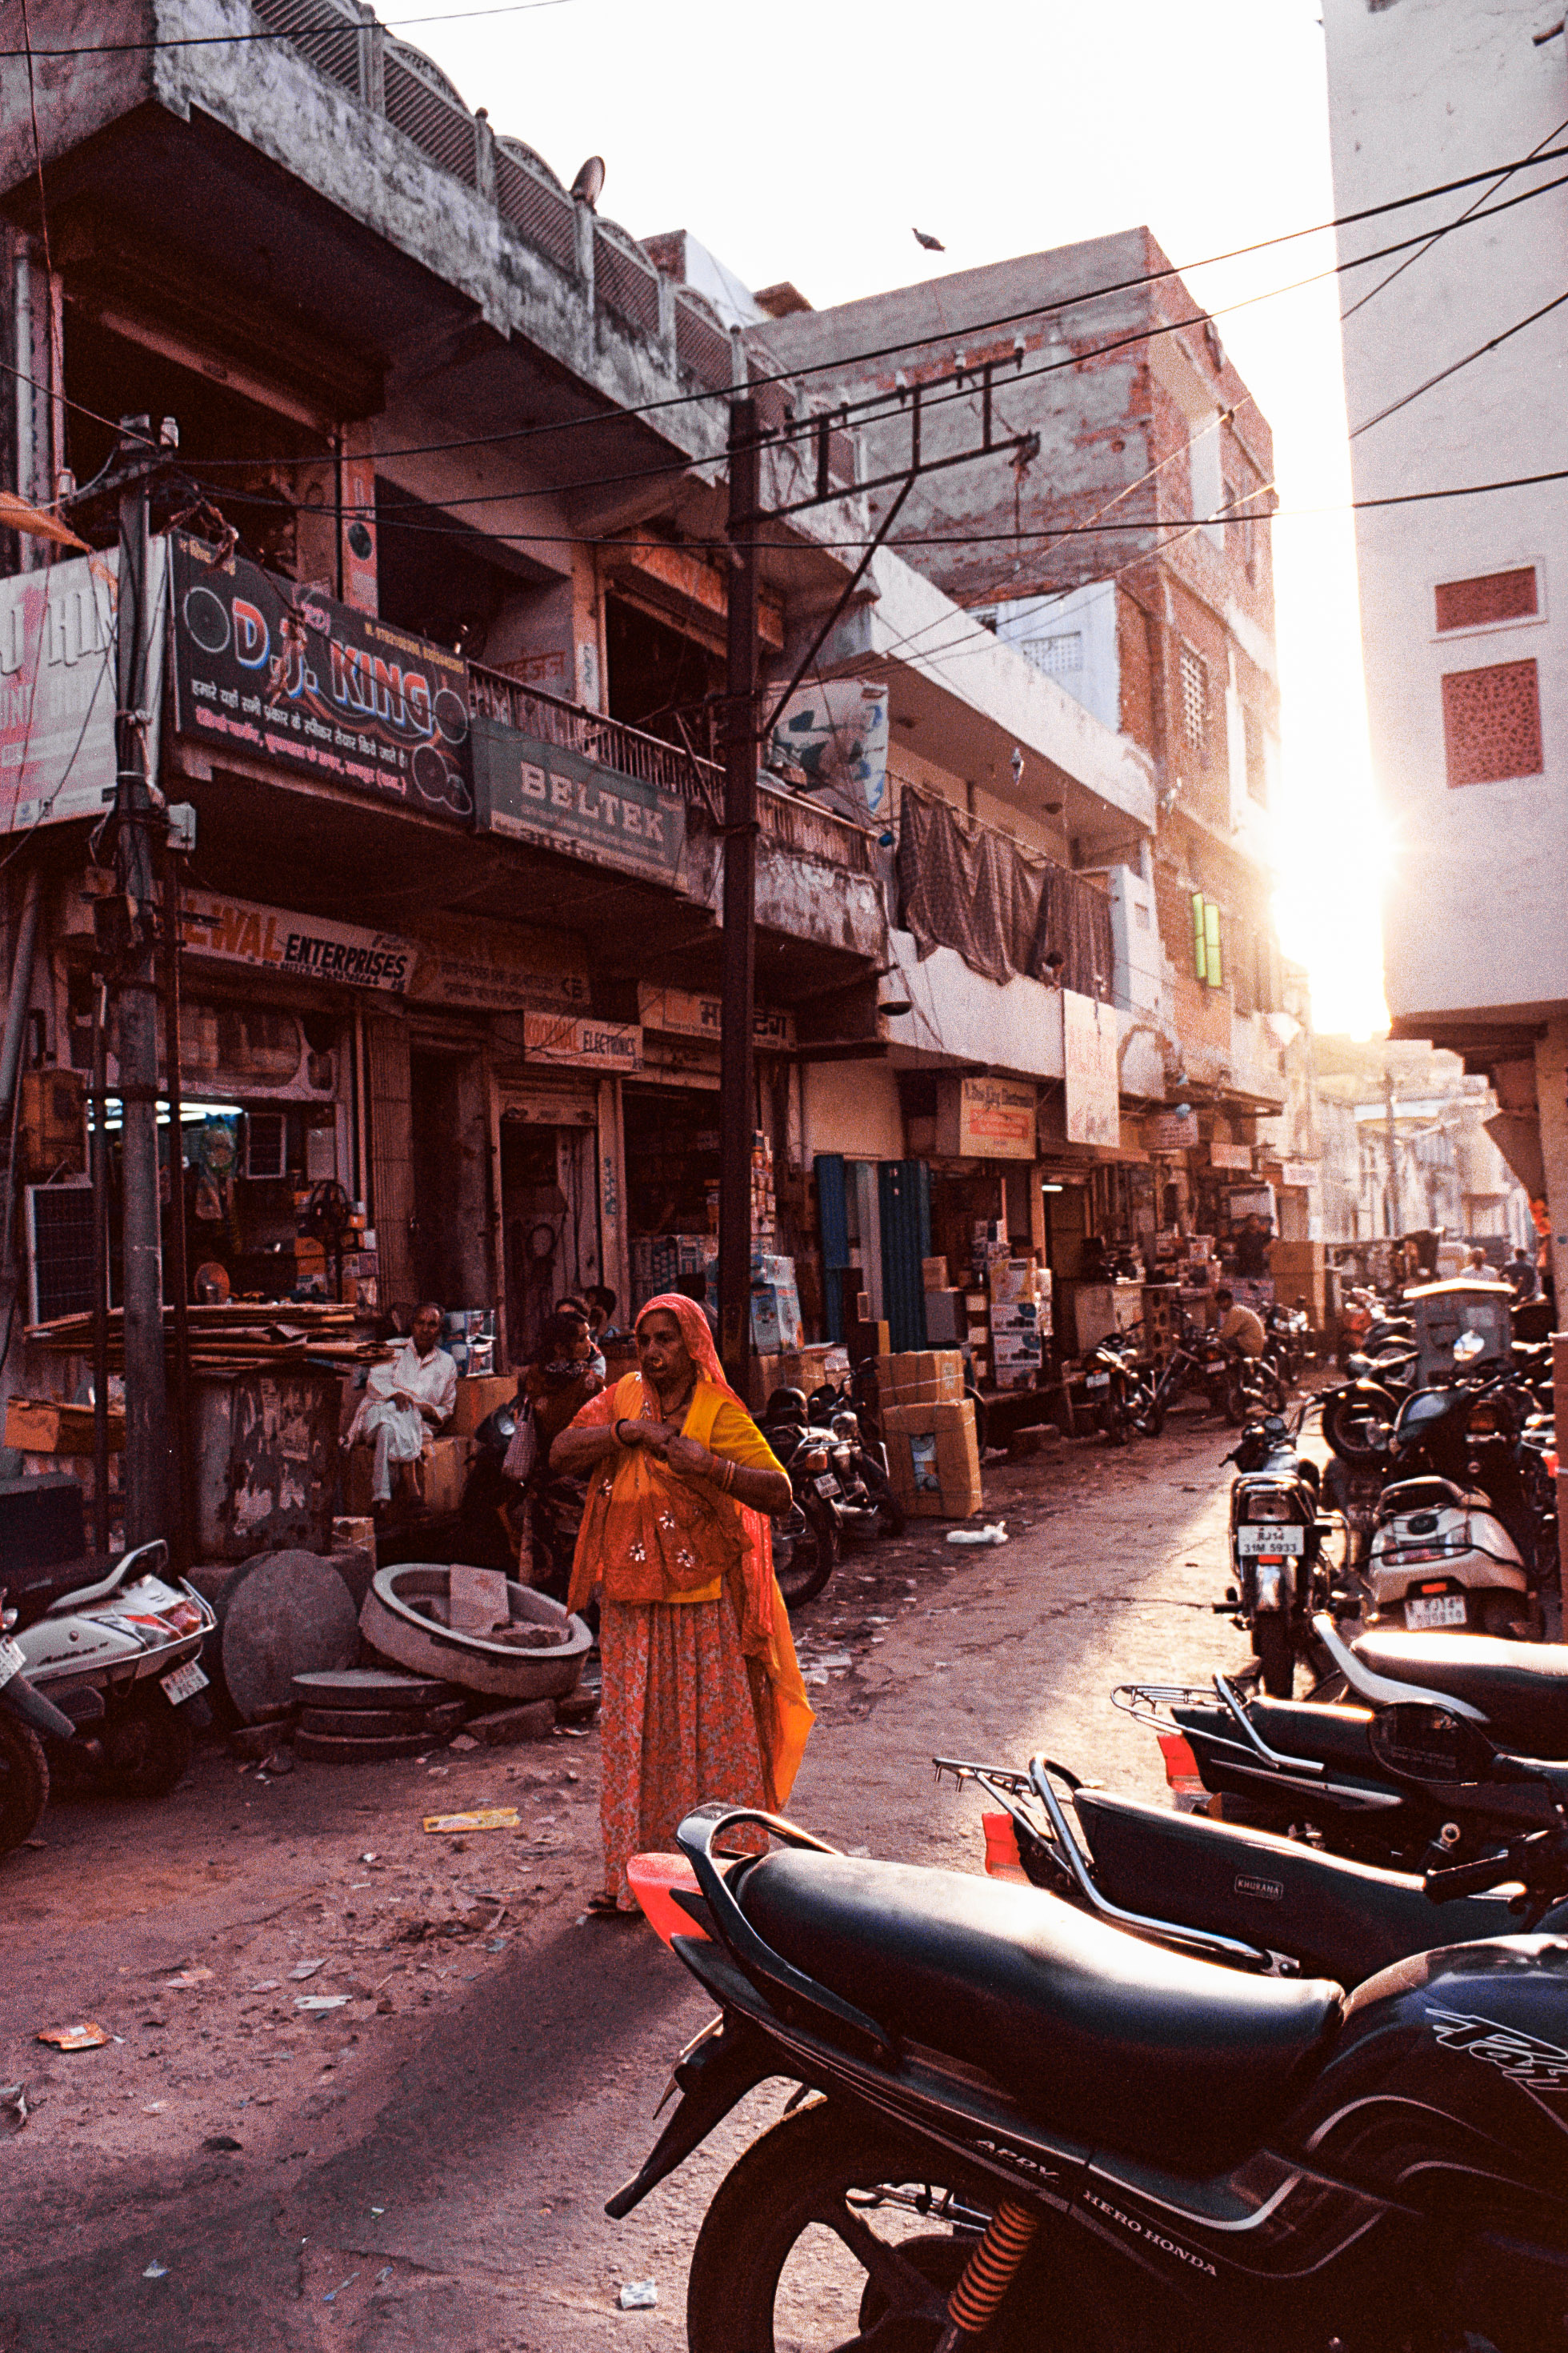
<point>805,1550</point>
<point>1112,1418</point>
<point>1151,1420</point>
<point>831,2231</point>
<point>1271,1642</point>
<point>24,1782</point>
<point>1236,1401</point>
<point>146,1747</point>
<point>890,1517</point>
<point>1348,1419</point>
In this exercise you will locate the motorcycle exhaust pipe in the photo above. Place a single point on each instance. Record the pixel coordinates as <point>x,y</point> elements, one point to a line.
<point>33,1709</point>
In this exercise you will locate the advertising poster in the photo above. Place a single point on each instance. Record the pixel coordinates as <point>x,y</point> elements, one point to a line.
<point>996,1119</point>
<point>56,689</point>
<point>291,677</point>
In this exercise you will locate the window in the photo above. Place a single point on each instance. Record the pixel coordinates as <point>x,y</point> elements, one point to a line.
<point>1256,759</point>
<point>1194,698</point>
<point>1054,655</point>
<point>1491,723</point>
<point>1204,460</point>
<point>1208,965</point>
<point>1491,598</point>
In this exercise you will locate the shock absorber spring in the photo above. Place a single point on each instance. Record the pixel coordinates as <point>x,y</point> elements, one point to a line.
<point>989,2273</point>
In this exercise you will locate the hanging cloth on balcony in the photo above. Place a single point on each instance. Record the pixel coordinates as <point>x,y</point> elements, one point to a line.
<point>1003,908</point>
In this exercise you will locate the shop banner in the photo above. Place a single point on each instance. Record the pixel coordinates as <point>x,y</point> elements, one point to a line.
<point>56,689</point>
<point>1091,1071</point>
<point>678,1014</point>
<point>996,1119</point>
<point>531,791</point>
<point>488,966</point>
<point>1298,1174</point>
<point>568,1040</point>
<point>291,677</point>
<point>1171,1131</point>
<point>298,947</point>
<point>1231,1156</point>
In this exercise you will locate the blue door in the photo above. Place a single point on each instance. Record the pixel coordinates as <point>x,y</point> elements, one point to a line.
<point>904,1194</point>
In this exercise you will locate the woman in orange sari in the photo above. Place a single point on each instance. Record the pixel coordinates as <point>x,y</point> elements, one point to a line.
<point>703,1698</point>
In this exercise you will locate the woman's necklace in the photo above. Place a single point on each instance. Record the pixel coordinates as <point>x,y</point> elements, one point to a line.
<point>678,1412</point>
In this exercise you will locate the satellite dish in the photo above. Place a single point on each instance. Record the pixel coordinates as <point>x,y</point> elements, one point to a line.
<point>589,183</point>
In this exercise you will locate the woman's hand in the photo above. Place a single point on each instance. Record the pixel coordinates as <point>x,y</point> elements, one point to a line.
<point>690,1459</point>
<point>654,1435</point>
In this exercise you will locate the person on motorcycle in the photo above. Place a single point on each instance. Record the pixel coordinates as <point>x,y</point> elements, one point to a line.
<point>1240,1329</point>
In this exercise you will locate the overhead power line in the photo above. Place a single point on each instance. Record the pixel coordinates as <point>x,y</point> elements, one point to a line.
<point>298,33</point>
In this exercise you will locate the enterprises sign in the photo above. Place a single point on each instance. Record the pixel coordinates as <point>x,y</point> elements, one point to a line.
<point>531,791</point>
<point>291,677</point>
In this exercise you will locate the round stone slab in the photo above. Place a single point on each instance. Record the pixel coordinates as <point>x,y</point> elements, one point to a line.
<point>282,1614</point>
<point>382,1723</point>
<point>372,1687</point>
<point>317,1748</point>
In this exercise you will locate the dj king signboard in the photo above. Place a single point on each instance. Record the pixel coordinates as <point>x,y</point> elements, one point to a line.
<point>289,677</point>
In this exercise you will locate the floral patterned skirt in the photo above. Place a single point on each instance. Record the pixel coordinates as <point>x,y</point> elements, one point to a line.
<point>679,1725</point>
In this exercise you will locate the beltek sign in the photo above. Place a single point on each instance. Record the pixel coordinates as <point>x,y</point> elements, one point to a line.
<point>562,800</point>
<point>291,677</point>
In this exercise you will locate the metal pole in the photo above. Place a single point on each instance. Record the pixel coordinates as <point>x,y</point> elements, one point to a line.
<point>146,1405</point>
<point>737,1090</point>
<point>179,1269</point>
<point>99,1272</point>
<point>21,995</point>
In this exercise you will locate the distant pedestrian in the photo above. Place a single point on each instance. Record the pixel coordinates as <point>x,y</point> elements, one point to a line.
<point>1520,1273</point>
<point>1476,1267</point>
<point>702,1696</point>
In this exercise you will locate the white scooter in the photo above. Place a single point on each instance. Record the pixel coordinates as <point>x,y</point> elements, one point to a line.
<point>119,1659</point>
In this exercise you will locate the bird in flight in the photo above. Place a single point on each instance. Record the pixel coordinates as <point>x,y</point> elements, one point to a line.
<point>931,244</point>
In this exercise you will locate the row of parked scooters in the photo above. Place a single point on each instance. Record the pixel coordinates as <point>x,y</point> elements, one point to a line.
<point>1290,2072</point>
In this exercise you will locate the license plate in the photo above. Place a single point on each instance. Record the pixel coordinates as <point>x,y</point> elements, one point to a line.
<point>10,1661</point>
<point>1270,1539</point>
<point>183,1683</point>
<point>1097,1380</point>
<point>1436,1610</point>
<point>825,1483</point>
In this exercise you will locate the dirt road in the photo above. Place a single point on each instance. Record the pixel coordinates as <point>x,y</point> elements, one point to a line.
<point>425,2161</point>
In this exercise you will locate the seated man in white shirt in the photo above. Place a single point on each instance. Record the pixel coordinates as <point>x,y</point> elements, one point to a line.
<point>403,1400</point>
<point>1239,1327</point>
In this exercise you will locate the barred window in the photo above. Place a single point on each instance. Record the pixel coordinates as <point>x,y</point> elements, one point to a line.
<point>1491,598</point>
<point>1194,697</point>
<point>1056,655</point>
<point>1491,723</point>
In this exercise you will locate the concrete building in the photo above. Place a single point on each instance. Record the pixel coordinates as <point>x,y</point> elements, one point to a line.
<point>1466,645</point>
<point>1406,1147</point>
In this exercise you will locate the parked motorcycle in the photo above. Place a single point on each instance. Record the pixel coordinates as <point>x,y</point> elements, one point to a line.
<point>118,1659</point>
<point>1245,1898</point>
<point>1290,1344</point>
<point>25,1717</point>
<point>1277,1556</point>
<point>868,1465</point>
<point>1196,1360</point>
<point>1354,1773</point>
<point>1023,2127</point>
<point>1123,1388</point>
<point>808,1537</point>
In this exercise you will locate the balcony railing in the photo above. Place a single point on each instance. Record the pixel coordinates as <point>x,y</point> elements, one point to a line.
<point>808,831</point>
<point>550,719</point>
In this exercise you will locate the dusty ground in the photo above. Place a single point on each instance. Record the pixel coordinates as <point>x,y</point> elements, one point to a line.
<point>425,2163</point>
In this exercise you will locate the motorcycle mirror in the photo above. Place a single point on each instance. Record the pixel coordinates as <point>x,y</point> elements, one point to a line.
<point>1421,1743</point>
<point>1468,1347</point>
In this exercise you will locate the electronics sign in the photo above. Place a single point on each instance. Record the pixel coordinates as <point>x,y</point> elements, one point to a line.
<point>289,676</point>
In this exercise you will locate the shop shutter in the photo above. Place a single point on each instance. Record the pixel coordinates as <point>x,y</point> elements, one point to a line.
<point>904,1191</point>
<point>832,1218</point>
<point>391,1156</point>
<point>1200,938</point>
<point>1210,945</point>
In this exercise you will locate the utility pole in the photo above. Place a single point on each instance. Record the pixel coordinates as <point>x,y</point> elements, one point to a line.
<point>1391,1145</point>
<point>146,1405</point>
<point>737,1084</point>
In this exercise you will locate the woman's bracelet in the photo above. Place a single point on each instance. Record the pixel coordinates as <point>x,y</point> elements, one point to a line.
<point>619,1427</point>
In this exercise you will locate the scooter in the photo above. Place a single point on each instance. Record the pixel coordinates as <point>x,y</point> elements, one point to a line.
<point>119,1660</point>
<point>1243,1897</point>
<point>1017,2126</point>
<point>1353,1775</point>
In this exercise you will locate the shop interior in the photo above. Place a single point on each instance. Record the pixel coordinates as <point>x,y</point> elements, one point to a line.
<point>550,1226</point>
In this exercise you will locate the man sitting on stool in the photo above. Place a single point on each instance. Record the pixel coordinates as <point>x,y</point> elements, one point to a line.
<point>416,1391</point>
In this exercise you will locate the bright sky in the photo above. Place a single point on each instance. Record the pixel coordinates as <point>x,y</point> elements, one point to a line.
<point>806,144</point>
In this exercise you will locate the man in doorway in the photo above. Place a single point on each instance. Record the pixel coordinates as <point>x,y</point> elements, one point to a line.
<point>1252,1247</point>
<point>1239,1327</point>
<point>414,1393</point>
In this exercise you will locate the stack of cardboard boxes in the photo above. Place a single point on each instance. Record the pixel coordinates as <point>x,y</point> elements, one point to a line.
<point>928,1425</point>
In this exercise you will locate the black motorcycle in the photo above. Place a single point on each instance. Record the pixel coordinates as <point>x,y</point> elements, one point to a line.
<point>1278,1553</point>
<point>1014,2126</point>
<point>807,1539</point>
<point>832,1407</point>
<point>1353,1774</point>
<point>1245,1897</point>
<point>1122,1389</point>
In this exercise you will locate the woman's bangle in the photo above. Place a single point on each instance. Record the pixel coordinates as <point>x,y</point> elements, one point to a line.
<point>619,1427</point>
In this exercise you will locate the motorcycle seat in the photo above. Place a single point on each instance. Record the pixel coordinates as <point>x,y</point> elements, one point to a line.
<point>33,1596</point>
<point>1114,2043</point>
<point>1522,1688</point>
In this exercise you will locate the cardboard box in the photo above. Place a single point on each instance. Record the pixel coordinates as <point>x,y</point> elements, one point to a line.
<point>933,1460</point>
<point>443,1471</point>
<point>776,1318</point>
<point>45,1428</point>
<point>921,1376</point>
<point>1012,1279</point>
<point>947,1320</point>
<point>1016,1316</point>
<point>933,1273</point>
<point>478,1397</point>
